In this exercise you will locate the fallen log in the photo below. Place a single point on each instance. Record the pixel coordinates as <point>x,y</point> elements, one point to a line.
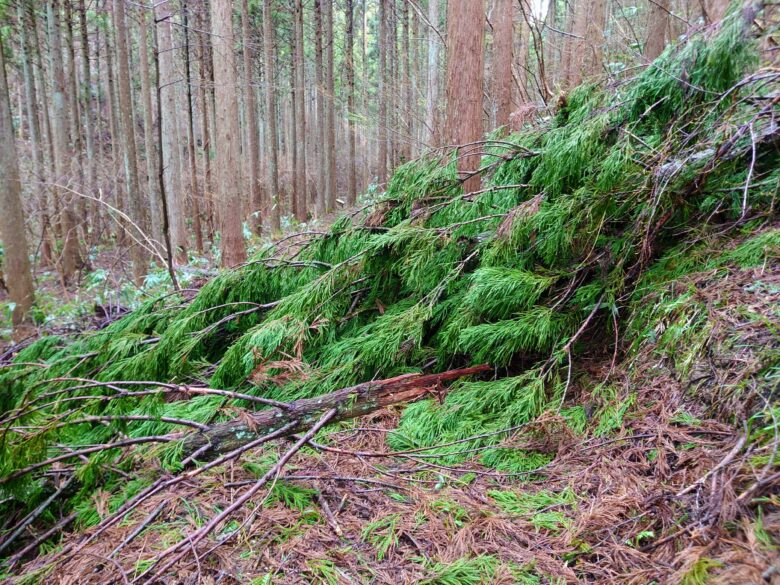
<point>300,415</point>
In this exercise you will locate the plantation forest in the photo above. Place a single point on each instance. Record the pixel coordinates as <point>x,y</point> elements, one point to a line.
<point>443,292</point>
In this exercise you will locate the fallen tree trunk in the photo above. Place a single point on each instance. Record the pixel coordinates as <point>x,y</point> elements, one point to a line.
<point>301,414</point>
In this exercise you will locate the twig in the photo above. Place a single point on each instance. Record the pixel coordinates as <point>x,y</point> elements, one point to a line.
<point>200,534</point>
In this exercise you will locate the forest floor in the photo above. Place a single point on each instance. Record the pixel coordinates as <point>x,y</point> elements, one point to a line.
<point>609,472</point>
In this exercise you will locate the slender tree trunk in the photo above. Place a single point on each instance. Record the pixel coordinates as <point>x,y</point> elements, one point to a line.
<point>656,29</point>
<point>594,56</point>
<point>251,124</point>
<point>716,9</point>
<point>47,135</point>
<point>69,256</point>
<point>206,115</point>
<point>15,254</point>
<point>26,19</point>
<point>568,46</point>
<point>86,107</point>
<point>579,43</point>
<point>330,113</point>
<point>551,64</point>
<point>130,155</point>
<point>300,115</point>
<point>270,107</point>
<point>465,56</point>
<point>502,67</point>
<point>171,164</point>
<point>115,142</point>
<point>350,68</point>
<point>381,164</point>
<point>432,110</point>
<point>194,187</point>
<point>152,184</point>
<point>405,89</point>
<point>74,119</point>
<point>319,73</point>
<point>228,136</point>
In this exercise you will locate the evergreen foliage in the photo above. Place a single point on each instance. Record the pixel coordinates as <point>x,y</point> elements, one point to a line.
<point>432,277</point>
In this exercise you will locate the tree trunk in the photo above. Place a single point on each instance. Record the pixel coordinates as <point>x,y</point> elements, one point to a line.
<point>228,136</point>
<point>350,69</point>
<point>16,261</point>
<point>130,155</point>
<point>656,29</point>
<point>270,108</point>
<point>194,187</point>
<point>69,257</point>
<point>568,45</point>
<point>115,141</point>
<point>330,112</point>
<point>319,74</point>
<point>716,9</point>
<point>594,56</point>
<point>381,164</point>
<point>432,111</point>
<point>464,84</point>
<point>405,87</point>
<point>86,107</point>
<point>350,403</point>
<point>47,135</point>
<point>206,116</point>
<point>300,114</point>
<point>152,184</point>
<point>503,32</point>
<point>579,43</point>
<point>256,220</point>
<point>26,19</point>
<point>171,165</point>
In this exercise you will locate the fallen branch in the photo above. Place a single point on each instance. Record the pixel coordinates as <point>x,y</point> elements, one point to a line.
<point>349,403</point>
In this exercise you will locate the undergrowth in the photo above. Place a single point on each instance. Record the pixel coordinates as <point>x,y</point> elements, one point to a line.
<point>625,191</point>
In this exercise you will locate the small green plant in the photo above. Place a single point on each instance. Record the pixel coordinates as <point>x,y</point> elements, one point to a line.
<point>465,571</point>
<point>383,534</point>
<point>699,573</point>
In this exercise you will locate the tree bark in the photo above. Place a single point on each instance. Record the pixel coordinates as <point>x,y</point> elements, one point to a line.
<point>432,110</point>
<point>228,136</point>
<point>579,43</point>
<point>319,74</point>
<point>269,48</point>
<point>381,164</point>
<point>171,165</point>
<point>465,55</point>
<point>350,403</point>
<point>152,184</point>
<point>27,19</point>
<point>86,106</point>
<point>205,119</point>
<point>656,29</point>
<point>350,70</point>
<point>195,193</point>
<point>130,156</point>
<point>69,256</point>
<point>503,31</point>
<point>330,111</point>
<point>300,115</point>
<point>16,260</point>
<point>256,220</point>
<point>716,9</point>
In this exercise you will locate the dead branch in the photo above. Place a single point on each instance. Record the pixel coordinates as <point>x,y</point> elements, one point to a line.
<point>349,403</point>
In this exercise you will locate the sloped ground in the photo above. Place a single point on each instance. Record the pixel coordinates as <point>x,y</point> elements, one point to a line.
<point>618,271</point>
<point>648,479</point>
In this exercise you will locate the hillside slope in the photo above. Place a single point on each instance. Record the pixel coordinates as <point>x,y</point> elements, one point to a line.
<point>619,273</point>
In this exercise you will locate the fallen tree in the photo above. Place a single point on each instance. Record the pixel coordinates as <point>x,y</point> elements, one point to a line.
<point>300,415</point>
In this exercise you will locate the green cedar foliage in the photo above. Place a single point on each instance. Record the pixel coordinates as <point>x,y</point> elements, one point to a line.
<point>577,218</point>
